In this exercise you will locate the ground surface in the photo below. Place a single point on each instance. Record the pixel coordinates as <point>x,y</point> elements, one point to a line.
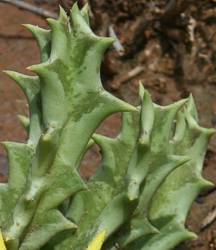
<point>169,45</point>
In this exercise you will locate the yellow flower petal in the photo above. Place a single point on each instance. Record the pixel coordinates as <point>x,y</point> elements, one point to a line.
<point>2,245</point>
<point>97,242</point>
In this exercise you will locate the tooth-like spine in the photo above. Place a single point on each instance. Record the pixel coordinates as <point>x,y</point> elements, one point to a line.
<point>180,127</point>
<point>78,21</point>
<point>43,38</point>
<point>24,121</point>
<point>147,117</point>
<point>52,94</point>
<point>29,84</point>
<point>31,87</point>
<point>85,13</point>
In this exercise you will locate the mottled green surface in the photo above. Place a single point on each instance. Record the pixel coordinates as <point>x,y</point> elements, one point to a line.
<point>149,175</point>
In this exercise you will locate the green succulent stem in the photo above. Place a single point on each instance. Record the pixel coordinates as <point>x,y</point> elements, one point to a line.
<point>136,199</point>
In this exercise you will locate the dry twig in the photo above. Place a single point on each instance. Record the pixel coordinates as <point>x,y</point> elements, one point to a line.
<point>117,44</point>
<point>209,219</point>
<point>26,6</point>
<point>126,77</point>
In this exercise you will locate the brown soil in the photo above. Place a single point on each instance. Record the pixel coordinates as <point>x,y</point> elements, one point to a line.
<point>173,43</point>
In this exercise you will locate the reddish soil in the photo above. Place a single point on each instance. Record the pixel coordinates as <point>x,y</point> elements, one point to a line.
<point>175,48</point>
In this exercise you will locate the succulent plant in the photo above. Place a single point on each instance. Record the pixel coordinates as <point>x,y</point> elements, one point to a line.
<point>149,175</point>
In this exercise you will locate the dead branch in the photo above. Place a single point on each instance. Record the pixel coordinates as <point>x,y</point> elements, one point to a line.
<point>209,219</point>
<point>126,77</point>
<point>117,44</point>
<point>26,6</point>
